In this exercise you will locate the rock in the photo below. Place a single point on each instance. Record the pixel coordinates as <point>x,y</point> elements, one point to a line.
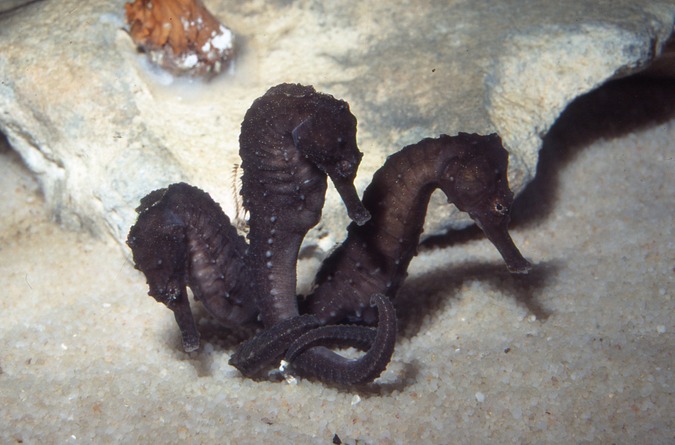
<point>100,129</point>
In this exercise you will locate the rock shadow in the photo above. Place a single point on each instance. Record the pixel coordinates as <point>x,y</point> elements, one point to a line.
<point>617,108</point>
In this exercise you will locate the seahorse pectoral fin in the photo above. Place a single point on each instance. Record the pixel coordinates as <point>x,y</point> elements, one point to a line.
<point>496,230</point>
<point>299,132</point>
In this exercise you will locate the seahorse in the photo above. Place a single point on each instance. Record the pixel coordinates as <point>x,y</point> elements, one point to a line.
<point>285,161</point>
<point>183,238</point>
<point>469,168</point>
<point>291,139</point>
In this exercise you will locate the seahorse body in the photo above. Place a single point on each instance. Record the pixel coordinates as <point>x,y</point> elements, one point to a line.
<point>470,169</point>
<point>291,139</point>
<point>183,238</point>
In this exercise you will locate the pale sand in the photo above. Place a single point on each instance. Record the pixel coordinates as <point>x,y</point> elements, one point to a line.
<point>579,351</point>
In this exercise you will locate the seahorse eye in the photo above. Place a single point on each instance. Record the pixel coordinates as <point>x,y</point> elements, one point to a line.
<point>500,208</point>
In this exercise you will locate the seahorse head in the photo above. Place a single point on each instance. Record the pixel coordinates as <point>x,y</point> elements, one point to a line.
<point>158,243</point>
<point>476,182</point>
<point>327,138</point>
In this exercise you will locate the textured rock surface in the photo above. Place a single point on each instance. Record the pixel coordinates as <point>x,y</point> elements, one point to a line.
<point>100,130</point>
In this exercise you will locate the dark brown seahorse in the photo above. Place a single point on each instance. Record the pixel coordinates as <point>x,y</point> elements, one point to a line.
<point>285,161</point>
<point>291,138</point>
<point>183,238</point>
<point>470,169</point>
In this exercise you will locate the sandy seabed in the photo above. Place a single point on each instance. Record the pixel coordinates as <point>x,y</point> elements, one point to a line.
<point>579,351</point>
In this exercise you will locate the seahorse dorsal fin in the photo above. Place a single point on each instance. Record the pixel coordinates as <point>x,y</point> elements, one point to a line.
<point>301,130</point>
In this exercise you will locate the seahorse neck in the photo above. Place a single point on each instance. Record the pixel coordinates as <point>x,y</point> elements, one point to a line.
<point>398,198</point>
<point>272,259</point>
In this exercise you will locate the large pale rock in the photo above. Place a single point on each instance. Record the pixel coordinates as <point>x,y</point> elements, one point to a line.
<point>100,129</point>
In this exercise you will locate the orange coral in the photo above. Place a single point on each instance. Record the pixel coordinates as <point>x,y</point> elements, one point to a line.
<point>181,36</point>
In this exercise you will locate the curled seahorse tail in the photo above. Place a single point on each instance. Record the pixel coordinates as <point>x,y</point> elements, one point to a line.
<point>356,336</point>
<point>269,345</point>
<point>330,367</point>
